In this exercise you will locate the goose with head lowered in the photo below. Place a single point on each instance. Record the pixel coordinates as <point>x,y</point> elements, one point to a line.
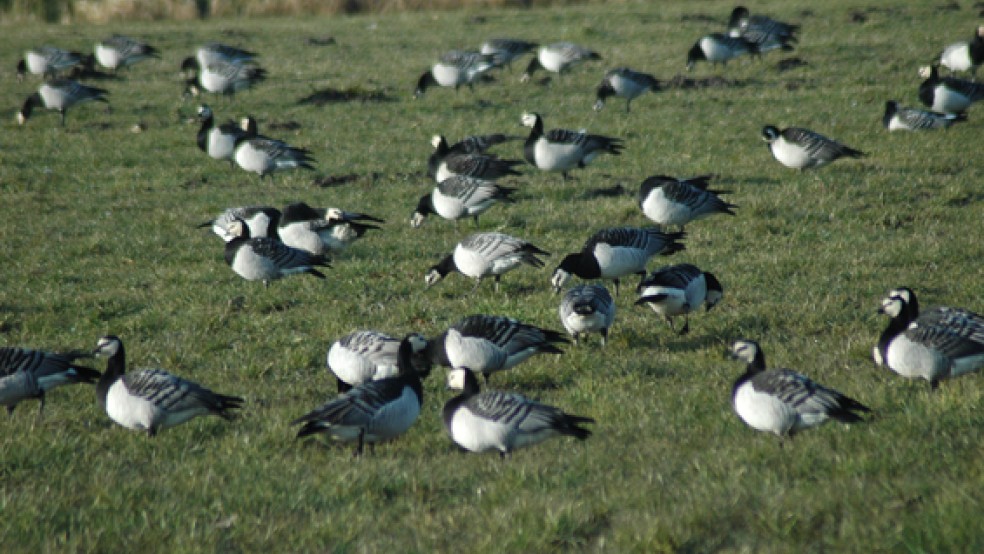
<point>505,50</point>
<point>226,78</point>
<point>486,254</point>
<point>262,221</point>
<point>718,49</point>
<point>265,258</point>
<point>624,83</point>
<point>453,69</point>
<point>151,400</point>
<point>59,95</point>
<point>672,201</point>
<point>322,231</point>
<point>934,345</point>
<point>458,197</point>
<point>902,118</point>
<point>264,156</point>
<point>558,58</point>
<point>216,52</point>
<point>48,61</point>
<point>374,411</point>
<point>27,374</point>
<point>615,252</point>
<point>587,309</point>
<point>802,149</point>
<point>561,149</point>
<point>480,421</point>
<point>782,401</point>
<point>119,51</point>
<point>364,356</point>
<point>680,289</point>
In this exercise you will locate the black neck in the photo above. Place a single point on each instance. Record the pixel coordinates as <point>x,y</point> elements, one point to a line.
<point>451,406</point>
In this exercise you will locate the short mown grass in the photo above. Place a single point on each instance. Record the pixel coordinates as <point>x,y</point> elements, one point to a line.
<point>97,235</point>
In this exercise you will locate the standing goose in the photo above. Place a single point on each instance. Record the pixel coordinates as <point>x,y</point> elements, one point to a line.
<point>60,95</point>
<point>678,290</point>
<point>266,259</point>
<point>373,411</point>
<point>262,221</point>
<point>321,231</point>
<point>216,52</point>
<point>453,69</point>
<point>475,144</point>
<point>671,201</point>
<point>365,356</point>
<point>458,197</point>
<point>119,51</point>
<point>476,165</point>
<point>218,141</point>
<point>718,49</point>
<point>965,56</point>
<point>264,156</point>
<point>503,421</point>
<point>783,402</point>
<point>469,145</point>
<point>799,148</point>
<point>900,118</point>
<point>614,252</point>
<point>48,61</point>
<point>225,78</point>
<point>484,254</point>
<point>487,343</point>
<point>563,150</point>
<point>152,399</point>
<point>27,373</point>
<point>505,50</point>
<point>947,94</point>
<point>934,345</point>
<point>624,83</point>
<point>558,58</point>
<point>587,309</point>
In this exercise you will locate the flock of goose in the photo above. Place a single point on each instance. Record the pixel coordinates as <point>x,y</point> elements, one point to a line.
<point>379,376</point>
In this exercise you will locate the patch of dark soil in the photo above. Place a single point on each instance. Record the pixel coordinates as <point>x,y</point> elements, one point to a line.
<point>608,192</point>
<point>332,96</point>
<point>699,17</point>
<point>284,125</point>
<point>321,41</point>
<point>684,82</point>
<point>329,181</point>
<point>786,64</point>
<point>948,7</point>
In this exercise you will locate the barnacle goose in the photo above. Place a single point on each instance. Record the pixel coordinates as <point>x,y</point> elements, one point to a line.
<point>225,78</point>
<point>934,345</point>
<point>477,165</point>
<point>587,309</point>
<point>615,252</point>
<point>624,83</point>
<point>375,410</point>
<point>262,221</point>
<point>215,52</point>
<point>678,290</point>
<point>264,156</point>
<point>487,343</point>
<point>120,51</point>
<point>672,201</point>
<point>484,167</point>
<point>486,254</point>
<point>218,141</point>
<point>48,61</point>
<point>153,399</point>
<point>365,356</point>
<point>265,259</point>
<point>27,373</point>
<point>505,50</point>
<point>947,94</point>
<point>901,118</point>
<point>718,49</point>
<point>563,150</point>
<point>799,148</point>
<point>783,402</point>
<point>458,197</point>
<point>455,68</point>
<point>59,95</point>
<point>558,58</point>
<point>469,145</point>
<point>965,55</point>
<point>766,33</point>
<point>320,231</point>
<point>503,421</point>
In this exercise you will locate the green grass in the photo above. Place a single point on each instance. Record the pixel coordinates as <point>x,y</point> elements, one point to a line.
<point>97,235</point>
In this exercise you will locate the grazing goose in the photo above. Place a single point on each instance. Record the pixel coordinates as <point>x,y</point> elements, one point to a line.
<point>718,49</point>
<point>365,356</point>
<point>321,231</point>
<point>766,33</point>
<point>476,165</point>
<point>947,94</point>
<point>901,118</point>
<point>152,399</point>
<point>264,156</point>
<point>671,201</point>
<point>558,58</point>
<point>783,402</point>
<point>678,290</point>
<point>47,61</point>
<point>262,221</point>
<point>484,254</point>
<point>624,83</point>
<point>937,344</point>
<point>563,150</point>
<point>587,309</point>
<point>119,51</point>
<point>265,259</point>
<point>615,252</point>
<point>225,78</point>
<point>965,56</point>
<point>487,343</point>
<point>799,148</point>
<point>455,68</point>
<point>505,50</point>
<point>215,52</point>
<point>375,410</point>
<point>474,144</point>
<point>26,374</point>
<point>218,141</point>
<point>60,95</point>
<point>458,197</point>
<point>504,421</point>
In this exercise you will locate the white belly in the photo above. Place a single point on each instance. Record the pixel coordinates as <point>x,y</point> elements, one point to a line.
<point>556,157</point>
<point>665,212</point>
<point>220,145</point>
<point>618,261</point>
<point>956,57</point>
<point>107,57</point>
<point>476,434</point>
<point>763,411</point>
<point>790,155</point>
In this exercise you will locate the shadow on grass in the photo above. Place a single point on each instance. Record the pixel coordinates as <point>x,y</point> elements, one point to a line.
<point>330,95</point>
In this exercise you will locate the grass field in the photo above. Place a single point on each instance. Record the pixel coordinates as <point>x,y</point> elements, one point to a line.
<point>98,236</point>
